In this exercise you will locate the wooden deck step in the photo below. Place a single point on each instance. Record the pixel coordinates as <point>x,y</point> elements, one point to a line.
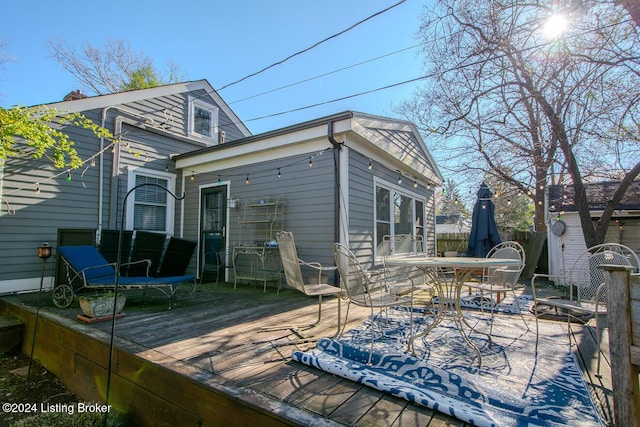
<point>11,333</point>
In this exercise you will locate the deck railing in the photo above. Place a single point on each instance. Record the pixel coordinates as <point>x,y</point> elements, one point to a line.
<point>623,309</point>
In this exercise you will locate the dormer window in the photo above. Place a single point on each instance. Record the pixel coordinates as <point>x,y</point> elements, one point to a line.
<point>203,119</point>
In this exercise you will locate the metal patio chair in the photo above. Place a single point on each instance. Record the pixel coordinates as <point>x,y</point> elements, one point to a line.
<point>291,265</point>
<point>86,268</point>
<point>499,281</point>
<point>405,279</point>
<point>584,288</point>
<point>362,289</point>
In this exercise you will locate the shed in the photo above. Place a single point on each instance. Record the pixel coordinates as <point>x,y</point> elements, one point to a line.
<point>564,234</point>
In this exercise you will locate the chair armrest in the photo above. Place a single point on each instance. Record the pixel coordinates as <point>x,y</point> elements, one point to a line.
<point>148,261</point>
<point>550,277</point>
<point>93,267</point>
<point>317,266</point>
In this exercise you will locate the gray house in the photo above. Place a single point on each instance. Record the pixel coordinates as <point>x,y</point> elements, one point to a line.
<point>350,178</point>
<point>42,204</point>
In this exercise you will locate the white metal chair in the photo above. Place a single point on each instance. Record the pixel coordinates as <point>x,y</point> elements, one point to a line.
<point>291,265</point>
<point>405,279</point>
<point>499,281</point>
<point>584,287</point>
<point>363,290</point>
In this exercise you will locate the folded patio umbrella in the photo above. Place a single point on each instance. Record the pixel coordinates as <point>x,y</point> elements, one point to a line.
<point>484,231</point>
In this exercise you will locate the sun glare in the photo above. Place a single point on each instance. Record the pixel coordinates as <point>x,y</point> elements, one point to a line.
<point>555,26</point>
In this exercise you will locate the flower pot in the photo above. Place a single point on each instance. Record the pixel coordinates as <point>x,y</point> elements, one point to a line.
<point>101,305</point>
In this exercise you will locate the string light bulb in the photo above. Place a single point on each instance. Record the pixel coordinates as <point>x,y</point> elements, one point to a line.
<point>219,179</point>
<point>93,161</point>
<point>415,183</point>
<point>310,162</point>
<point>38,188</point>
<point>68,175</point>
<point>193,176</point>
<point>370,165</point>
<point>399,177</point>
<point>246,181</point>
<point>279,174</point>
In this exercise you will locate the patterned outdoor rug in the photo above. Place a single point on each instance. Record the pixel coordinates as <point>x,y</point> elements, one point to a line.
<point>513,387</point>
<point>477,301</point>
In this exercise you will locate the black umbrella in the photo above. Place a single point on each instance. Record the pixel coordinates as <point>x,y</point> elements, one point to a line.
<point>484,231</point>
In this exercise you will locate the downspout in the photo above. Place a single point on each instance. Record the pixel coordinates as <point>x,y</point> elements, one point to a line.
<point>337,148</point>
<point>101,177</point>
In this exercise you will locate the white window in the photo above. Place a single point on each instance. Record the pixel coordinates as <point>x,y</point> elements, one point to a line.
<point>150,207</point>
<point>397,211</point>
<point>203,119</point>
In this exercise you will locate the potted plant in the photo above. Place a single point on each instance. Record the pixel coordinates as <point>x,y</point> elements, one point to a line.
<point>98,305</point>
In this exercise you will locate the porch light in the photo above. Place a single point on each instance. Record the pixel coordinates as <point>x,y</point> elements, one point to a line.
<point>44,251</point>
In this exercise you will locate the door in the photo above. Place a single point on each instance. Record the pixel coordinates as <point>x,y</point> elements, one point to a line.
<point>213,222</point>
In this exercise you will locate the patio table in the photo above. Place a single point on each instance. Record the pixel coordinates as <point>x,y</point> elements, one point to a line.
<point>448,274</point>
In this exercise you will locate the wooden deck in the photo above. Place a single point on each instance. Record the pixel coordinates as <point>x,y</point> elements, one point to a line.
<point>205,362</point>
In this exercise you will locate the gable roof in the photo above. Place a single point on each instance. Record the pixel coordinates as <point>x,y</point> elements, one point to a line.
<point>385,138</point>
<point>103,101</point>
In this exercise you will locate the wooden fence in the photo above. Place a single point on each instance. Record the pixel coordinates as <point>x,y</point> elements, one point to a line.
<point>533,244</point>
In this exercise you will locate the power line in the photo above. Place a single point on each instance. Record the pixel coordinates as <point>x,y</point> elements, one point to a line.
<point>340,99</point>
<point>457,67</point>
<point>327,73</point>
<point>313,46</point>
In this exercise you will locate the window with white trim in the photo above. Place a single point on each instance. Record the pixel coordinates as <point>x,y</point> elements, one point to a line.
<point>150,208</point>
<point>397,212</point>
<point>203,119</point>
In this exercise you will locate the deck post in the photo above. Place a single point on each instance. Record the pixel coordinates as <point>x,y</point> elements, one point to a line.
<point>624,360</point>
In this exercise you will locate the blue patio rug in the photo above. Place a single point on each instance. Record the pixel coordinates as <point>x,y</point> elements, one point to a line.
<point>477,301</point>
<point>513,387</point>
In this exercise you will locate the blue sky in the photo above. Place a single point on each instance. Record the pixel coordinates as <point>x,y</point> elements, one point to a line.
<point>223,41</point>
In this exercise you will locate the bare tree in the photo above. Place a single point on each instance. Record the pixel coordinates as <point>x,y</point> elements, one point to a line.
<point>114,69</point>
<point>504,99</point>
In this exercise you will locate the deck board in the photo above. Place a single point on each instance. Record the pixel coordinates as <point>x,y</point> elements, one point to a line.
<point>215,338</point>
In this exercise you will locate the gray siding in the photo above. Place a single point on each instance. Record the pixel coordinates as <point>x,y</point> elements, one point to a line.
<point>308,200</point>
<point>60,204</point>
<point>361,205</point>
<point>74,204</point>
